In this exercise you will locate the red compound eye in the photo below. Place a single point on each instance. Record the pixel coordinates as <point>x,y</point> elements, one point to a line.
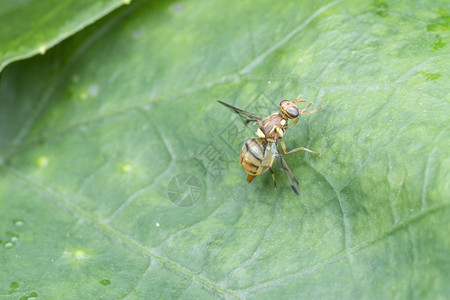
<point>289,109</point>
<point>292,112</point>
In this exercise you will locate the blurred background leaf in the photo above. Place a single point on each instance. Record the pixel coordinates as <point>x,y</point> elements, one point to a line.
<point>29,27</point>
<point>120,174</point>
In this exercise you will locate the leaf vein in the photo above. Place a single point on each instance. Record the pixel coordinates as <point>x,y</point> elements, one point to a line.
<point>129,241</point>
<point>134,195</point>
<point>258,60</point>
<point>426,176</point>
<point>352,249</point>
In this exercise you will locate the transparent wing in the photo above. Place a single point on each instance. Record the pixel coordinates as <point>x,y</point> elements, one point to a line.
<point>292,181</point>
<point>245,116</point>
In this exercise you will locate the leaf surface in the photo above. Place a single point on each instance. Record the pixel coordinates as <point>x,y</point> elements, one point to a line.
<point>120,172</point>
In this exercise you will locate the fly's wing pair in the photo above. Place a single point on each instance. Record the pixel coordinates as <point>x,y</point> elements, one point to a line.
<point>292,181</point>
<point>245,116</point>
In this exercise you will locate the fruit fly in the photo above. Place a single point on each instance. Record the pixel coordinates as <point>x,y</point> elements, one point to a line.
<point>257,154</point>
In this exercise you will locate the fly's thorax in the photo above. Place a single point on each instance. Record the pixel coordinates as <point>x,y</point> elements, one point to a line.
<point>256,156</point>
<point>272,128</point>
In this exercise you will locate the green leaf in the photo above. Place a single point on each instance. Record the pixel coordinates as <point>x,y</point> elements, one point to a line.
<point>120,172</point>
<point>30,27</point>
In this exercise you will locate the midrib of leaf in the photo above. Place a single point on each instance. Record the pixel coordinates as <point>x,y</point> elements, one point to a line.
<point>81,214</point>
<point>117,235</point>
<point>40,187</point>
<point>99,224</point>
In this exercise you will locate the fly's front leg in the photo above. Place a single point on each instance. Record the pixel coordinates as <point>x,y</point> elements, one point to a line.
<point>292,125</point>
<point>299,100</point>
<point>283,145</point>
<point>303,111</point>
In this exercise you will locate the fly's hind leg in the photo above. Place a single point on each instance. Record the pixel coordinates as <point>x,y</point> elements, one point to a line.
<point>273,177</point>
<point>273,174</point>
<point>283,145</point>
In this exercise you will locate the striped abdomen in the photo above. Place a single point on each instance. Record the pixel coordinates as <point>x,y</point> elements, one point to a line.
<point>256,157</point>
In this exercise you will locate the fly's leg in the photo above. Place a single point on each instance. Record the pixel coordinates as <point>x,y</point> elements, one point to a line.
<point>279,131</point>
<point>299,100</point>
<point>283,145</point>
<point>303,111</point>
<point>292,125</point>
<point>273,177</point>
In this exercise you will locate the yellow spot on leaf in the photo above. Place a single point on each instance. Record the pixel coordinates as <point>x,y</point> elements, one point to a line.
<point>126,168</point>
<point>79,254</point>
<point>42,162</point>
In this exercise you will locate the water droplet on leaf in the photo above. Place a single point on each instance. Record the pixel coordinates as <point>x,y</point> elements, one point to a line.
<point>18,222</point>
<point>93,90</point>
<point>9,245</point>
<point>178,7</point>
